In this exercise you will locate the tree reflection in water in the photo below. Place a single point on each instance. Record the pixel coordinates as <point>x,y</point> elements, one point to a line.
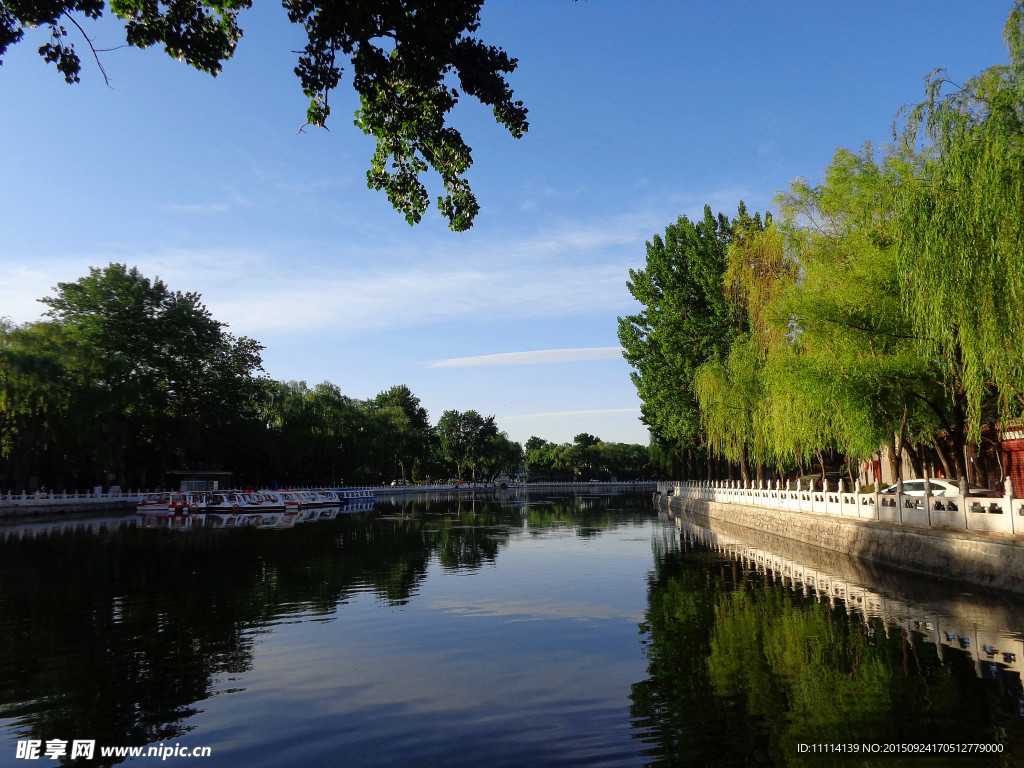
<point>123,635</point>
<point>120,634</point>
<point>743,669</point>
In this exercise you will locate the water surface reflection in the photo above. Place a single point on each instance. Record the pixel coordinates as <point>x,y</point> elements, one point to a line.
<point>282,644</point>
<point>517,630</point>
<point>779,645</point>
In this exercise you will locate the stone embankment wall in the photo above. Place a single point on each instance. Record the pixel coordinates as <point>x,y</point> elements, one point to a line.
<point>987,559</point>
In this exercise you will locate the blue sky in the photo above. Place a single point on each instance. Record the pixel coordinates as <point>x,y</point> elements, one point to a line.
<point>639,111</point>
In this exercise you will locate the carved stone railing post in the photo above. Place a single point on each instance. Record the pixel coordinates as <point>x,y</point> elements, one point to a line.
<point>899,499</point>
<point>928,500</point>
<point>962,501</point>
<point>1008,504</point>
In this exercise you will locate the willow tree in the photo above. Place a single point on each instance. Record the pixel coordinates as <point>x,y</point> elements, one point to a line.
<point>48,407</point>
<point>500,455</point>
<point>466,440</point>
<point>730,388</point>
<point>411,437</point>
<point>730,395</point>
<point>960,232</point>
<point>27,381</point>
<point>853,364</point>
<point>832,363</point>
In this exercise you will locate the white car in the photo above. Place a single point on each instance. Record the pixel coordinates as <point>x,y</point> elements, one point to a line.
<point>939,487</point>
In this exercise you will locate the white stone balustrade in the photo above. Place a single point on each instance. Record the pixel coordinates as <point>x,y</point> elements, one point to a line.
<point>48,497</point>
<point>992,514</point>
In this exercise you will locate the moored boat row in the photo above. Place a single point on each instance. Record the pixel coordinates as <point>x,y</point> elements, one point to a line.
<point>237,502</point>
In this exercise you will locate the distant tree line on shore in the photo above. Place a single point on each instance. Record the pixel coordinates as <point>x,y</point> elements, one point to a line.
<point>587,458</point>
<point>881,308</point>
<point>126,381</point>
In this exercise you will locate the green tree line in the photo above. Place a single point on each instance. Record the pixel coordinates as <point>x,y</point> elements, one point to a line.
<point>587,458</point>
<point>880,308</point>
<point>126,380</point>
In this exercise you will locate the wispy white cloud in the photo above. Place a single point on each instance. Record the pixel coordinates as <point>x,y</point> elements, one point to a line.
<point>308,287</point>
<point>535,357</point>
<point>269,296</point>
<point>260,291</point>
<point>232,199</point>
<point>571,268</point>
<point>556,414</point>
<point>202,208</point>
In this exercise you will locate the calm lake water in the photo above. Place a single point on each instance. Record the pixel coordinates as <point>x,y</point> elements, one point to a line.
<point>516,631</point>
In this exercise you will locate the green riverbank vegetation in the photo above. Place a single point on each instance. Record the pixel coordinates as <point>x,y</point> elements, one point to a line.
<point>126,380</point>
<point>882,308</point>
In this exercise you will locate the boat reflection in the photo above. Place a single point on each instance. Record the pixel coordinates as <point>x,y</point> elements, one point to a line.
<point>266,520</point>
<point>206,520</point>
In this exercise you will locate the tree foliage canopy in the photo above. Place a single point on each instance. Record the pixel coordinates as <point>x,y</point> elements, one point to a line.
<point>128,381</point>
<point>410,62</point>
<point>166,375</point>
<point>687,319</point>
<point>886,308</point>
<point>469,441</point>
<point>959,227</point>
<point>587,454</point>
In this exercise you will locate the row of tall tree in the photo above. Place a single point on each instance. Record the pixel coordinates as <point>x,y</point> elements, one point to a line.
<point>882,307</point>
<point>126,380</point>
